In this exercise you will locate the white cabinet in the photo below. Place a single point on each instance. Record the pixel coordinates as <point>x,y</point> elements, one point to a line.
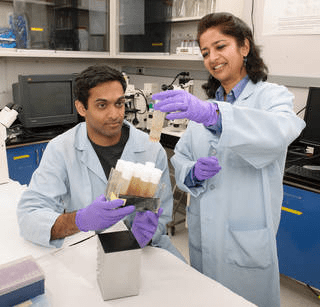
<point>114,29</point>
<point>69,25</point>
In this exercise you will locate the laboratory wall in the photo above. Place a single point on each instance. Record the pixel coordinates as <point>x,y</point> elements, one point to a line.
<point>11,68</point>
<point>293,60</point>
<point>290,55</point>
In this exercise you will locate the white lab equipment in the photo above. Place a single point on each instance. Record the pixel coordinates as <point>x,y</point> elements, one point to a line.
<point>7,116</point>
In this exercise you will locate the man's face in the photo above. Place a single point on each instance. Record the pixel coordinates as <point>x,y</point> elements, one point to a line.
<point>105,113</point>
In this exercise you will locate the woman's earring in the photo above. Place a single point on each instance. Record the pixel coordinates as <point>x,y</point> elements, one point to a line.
<point>245,60</point>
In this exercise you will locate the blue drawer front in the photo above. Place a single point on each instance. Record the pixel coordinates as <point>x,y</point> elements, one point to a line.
<point>298,238</point>
<point>23,161</point>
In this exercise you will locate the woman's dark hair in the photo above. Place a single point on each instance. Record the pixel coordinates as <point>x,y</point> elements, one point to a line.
<point>231,25</point>
<point>91,77</point>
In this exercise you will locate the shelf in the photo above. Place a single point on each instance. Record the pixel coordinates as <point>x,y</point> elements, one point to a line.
<point>31,53</point>
<point>38,2</point>
<point>185,19</point>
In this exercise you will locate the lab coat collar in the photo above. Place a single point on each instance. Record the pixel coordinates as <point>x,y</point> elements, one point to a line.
<point>248,90</point>
<point>132,143</point>
<point>87,154</point>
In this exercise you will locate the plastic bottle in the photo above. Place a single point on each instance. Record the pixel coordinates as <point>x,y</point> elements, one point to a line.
<point>145,181</point>
<point>150,164</point>
<point>154,182</point>
<point>126,176</point>
<point>156,127</point>
<point>135,183</point>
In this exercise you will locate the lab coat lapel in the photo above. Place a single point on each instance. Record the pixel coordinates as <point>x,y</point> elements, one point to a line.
<point>246,93</point>
<point>87,154</point>
<point>132,146</point>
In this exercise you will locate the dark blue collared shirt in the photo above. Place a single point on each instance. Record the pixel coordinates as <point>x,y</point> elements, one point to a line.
<point>231,98</point>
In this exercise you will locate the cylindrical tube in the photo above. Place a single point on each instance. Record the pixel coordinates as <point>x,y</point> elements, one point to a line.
<point>154,182</point>
<point>126,176</point>
<point>135,183</point>
<point>150,164</point>
<point>145,181</point>
<point>156,127</point>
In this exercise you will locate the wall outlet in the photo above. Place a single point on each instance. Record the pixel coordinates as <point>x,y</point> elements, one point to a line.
<point>140,71</point>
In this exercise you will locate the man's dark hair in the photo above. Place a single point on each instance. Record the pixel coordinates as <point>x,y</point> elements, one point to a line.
<point>91,77</point>
<point>231,25</point>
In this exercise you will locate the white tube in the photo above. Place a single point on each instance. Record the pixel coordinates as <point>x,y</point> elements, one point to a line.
<point>156,175</point>
<point>150,164</point>
<point>156,127</point>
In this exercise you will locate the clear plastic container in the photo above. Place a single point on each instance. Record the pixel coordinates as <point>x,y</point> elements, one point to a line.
<point>157,124</point>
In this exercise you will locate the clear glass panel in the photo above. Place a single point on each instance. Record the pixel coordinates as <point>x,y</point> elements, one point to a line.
<point>144,26</point>
<point>192,8</point>
<point>62,24</point>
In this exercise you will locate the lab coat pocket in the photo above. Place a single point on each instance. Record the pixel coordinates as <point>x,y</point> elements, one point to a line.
<point>238,162</point>
<point>249,248</point>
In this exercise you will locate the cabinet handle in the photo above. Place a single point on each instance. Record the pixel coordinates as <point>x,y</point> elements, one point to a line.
<point>37,157</point>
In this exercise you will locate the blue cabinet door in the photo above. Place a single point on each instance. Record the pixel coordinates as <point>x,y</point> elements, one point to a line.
<point>298,238</point>
<point>23,161</point>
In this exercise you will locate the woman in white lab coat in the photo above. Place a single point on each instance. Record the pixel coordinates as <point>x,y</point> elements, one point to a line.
<point>231,160</point>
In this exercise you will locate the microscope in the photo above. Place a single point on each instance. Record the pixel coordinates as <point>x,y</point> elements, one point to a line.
<point>7,116</point>
<point>185,84</point>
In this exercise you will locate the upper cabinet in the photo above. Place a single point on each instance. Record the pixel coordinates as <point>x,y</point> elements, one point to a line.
<point>140,29</point>
<point>70,25</point>
<point>159,26</point>
<point>143,26</point>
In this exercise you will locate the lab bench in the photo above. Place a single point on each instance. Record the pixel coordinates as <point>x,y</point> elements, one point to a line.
<point>71,276</point>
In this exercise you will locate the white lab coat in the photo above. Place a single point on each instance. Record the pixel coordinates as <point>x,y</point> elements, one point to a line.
<point>234,216</point>
<point>70,177</point>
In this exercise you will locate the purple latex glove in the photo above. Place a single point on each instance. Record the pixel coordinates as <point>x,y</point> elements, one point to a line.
<point>206,168</point>
<point>145,225</point>
<point>189,106</point>
<point>101,214</point>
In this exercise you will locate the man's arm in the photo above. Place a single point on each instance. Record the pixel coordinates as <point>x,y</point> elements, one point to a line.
<point>64,226</point>
<point>99,215</point>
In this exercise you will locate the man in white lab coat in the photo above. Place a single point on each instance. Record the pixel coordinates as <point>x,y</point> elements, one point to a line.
<point>65,194</point>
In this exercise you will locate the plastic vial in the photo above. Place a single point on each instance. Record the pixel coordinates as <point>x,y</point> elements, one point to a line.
<point>150,164</point>
<point>135,183</point>
<point>121,164</point>
<point>155,180</point>
<point>145,181</point>
<point>125,168</point>
<point>113,183</point>
<point>125,180</point>
<point>156,127</point>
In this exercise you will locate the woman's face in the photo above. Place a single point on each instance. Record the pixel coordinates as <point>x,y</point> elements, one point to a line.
<point>223,58</point>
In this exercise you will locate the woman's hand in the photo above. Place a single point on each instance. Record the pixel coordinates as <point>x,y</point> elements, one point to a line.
<point>186,106</point>
<point>206,168</point>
